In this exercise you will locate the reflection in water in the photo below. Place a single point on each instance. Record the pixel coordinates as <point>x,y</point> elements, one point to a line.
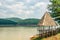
<point>17,33</point>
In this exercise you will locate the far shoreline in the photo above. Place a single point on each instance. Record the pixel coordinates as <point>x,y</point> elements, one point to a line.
<point>18,26</point>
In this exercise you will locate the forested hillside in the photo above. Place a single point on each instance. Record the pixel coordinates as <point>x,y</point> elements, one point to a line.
<point>19,21</point>
<point>31,22</point>
<point>7,22</point>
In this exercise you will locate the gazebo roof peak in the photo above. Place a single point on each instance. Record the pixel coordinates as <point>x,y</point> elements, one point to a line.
<point>47,20</point>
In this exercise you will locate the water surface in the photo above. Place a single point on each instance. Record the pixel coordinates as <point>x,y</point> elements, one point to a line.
<point>17,33</point>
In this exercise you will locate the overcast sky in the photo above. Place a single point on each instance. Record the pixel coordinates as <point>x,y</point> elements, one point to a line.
<point>23,8</point>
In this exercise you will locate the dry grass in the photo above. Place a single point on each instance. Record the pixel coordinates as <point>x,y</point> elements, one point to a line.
<point>56,37</point>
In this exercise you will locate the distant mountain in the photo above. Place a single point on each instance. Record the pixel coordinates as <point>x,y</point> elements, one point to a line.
<point>19,21</point>
<point>14,19</point>
<point>7,22</point>
<point>30,22</point>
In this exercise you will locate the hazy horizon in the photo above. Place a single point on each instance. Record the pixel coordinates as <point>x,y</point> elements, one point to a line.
<point>21,18</point>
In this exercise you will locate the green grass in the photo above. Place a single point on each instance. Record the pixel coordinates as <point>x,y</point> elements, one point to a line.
<point>38,38</point>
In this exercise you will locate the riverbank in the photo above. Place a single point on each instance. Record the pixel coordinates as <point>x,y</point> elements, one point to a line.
<point>56,37</point>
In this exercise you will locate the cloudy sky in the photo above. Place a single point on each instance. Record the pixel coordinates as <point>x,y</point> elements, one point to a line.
<point>23,8</point>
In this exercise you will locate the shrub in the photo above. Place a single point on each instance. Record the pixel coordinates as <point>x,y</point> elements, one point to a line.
<point>38,38</point>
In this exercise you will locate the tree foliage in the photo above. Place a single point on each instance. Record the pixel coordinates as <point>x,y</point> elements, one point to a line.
<point>54,9</point>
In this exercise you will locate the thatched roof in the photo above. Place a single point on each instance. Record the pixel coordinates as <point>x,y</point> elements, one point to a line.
<point>47,20</point>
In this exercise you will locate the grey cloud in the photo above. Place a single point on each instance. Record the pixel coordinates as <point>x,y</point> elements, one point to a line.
<point>19,0</point>
<point>5,2</point>
<point>6,10</point>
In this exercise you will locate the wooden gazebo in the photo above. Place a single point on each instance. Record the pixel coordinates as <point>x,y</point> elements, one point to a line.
<point>46,24</point>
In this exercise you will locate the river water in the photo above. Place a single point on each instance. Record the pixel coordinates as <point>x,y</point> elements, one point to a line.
<point>17,33</point>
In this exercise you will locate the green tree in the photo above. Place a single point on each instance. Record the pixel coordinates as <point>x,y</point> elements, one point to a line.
<point>54,9</point>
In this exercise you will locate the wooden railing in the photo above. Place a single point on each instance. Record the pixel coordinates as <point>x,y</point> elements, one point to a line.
<point>49,33</point>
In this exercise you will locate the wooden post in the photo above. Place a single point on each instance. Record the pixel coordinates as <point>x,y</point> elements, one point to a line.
<point>39,31</point>
<point>43,31</point>
<point>56,30</point>
<point>49,32</point>
<point>52,31</point>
